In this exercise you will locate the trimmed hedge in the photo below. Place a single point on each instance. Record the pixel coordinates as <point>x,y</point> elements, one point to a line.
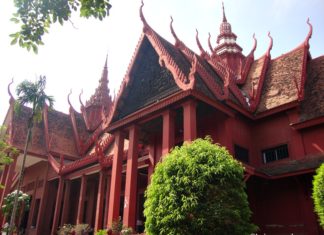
<point>198,189</point>
<point>318,193</point>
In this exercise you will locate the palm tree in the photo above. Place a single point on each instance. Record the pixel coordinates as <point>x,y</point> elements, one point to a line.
<point>34,95</point>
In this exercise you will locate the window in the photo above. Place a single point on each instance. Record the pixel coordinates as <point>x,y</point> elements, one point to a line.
<point>241,153</point>
<point>275,154</point>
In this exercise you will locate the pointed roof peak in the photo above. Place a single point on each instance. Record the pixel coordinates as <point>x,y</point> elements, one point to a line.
<point>101,95</point>
<point>224,16</point>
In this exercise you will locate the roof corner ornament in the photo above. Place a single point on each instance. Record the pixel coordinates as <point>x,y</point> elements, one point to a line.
<point>192,72</point>
<point>80,100</point>
<point>69,101</point>
<point>209,44</point>
<point>270,45</point>
<point>146,27</point>
<point>9,92</point>
<point>255,43</point>
<point>203,53</point>
<point>178,43</point>
<point>309,35</point>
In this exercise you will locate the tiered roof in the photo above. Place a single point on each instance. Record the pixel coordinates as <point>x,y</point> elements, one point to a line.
<point>161,73</point>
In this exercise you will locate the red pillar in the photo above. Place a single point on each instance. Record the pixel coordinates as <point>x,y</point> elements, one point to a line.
<point>168,131</point>
<point>116,177</point>
<point>107,194</point>
<point>58,203</point>
<point>66,202</point>
<point>189,121</point>
<point>131,179</point>
<point>151,163</point>
<point>100,201</point>
<point>82,196</point>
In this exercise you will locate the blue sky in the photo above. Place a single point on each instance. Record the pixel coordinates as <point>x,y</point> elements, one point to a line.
<point>73,57</point>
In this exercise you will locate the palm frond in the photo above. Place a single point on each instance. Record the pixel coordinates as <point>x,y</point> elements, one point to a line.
<point>32,93</point>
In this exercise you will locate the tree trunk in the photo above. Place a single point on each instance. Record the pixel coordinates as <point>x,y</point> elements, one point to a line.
<point>20,180</point>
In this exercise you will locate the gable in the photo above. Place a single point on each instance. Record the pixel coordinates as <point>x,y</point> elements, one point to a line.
<point>148,82</point>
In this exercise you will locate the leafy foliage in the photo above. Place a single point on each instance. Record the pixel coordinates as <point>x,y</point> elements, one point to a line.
<point>36,16</point>
<point>69,229</point>
<point>7,152</point>
<point>198,189</point>
<point>318,193</point>
<point>8,202</point>
<point>34,93</point>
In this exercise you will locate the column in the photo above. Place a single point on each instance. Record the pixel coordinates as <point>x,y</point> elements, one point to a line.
<point>189,121</point>
<point>116,177</point>
<point>66,202</point>
<point>58,203</point>
<point>107,194</point>
<point>40,224</point>
<point>83,190</point>
<point>151,163</point>
<point>129,219</point>
<point>168,131</point>
<point>100,201</point>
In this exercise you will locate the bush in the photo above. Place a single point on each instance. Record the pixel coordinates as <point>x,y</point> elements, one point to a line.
<point>8,203</point>
<point>198,189</point>
<point>318,193</point>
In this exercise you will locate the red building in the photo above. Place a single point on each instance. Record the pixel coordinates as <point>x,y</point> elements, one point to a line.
<point>94,166</point>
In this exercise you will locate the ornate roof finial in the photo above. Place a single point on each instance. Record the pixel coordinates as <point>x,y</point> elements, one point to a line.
<point>306,43</point>
<point>146,27</point>
<point>224,16</point>
<point>270,45</point>
<point>101,95</point>
<point>177,40</point>
<point>68,98</point>
<point>254,44</point>
<point>80,100</point>
<point>202,51</point>
<point>209,44</point>
<point>9,92</point>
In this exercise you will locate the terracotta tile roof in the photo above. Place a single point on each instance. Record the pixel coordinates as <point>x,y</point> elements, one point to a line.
<point>177,55</point>
<point>19,124</point>
<point>82,129</point>
<point>253,76</point>
<point>279,86</point>
<point>313,104</point>
<point>60,132</point>
<point>148,81</point>
<point>292,166</point>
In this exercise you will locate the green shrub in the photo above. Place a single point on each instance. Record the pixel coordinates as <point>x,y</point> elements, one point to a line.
<point>102,232</point>
<point>318,193</point>
<point>198,189</point>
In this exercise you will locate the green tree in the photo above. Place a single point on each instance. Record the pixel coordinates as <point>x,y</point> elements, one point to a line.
<point>29,93</point>
<point>7,152</point>
<point>318,193</point>
<point>198,189</point>
<point>36,16</point>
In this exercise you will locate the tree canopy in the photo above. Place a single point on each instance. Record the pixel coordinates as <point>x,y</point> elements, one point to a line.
<point>318,193</point>
<point>36,16</point>
<point>198,189</point>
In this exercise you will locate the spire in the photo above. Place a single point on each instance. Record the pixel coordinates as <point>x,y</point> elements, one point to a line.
<point>224,16</point>
<point>101,95</point>
<point>226,39</point>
